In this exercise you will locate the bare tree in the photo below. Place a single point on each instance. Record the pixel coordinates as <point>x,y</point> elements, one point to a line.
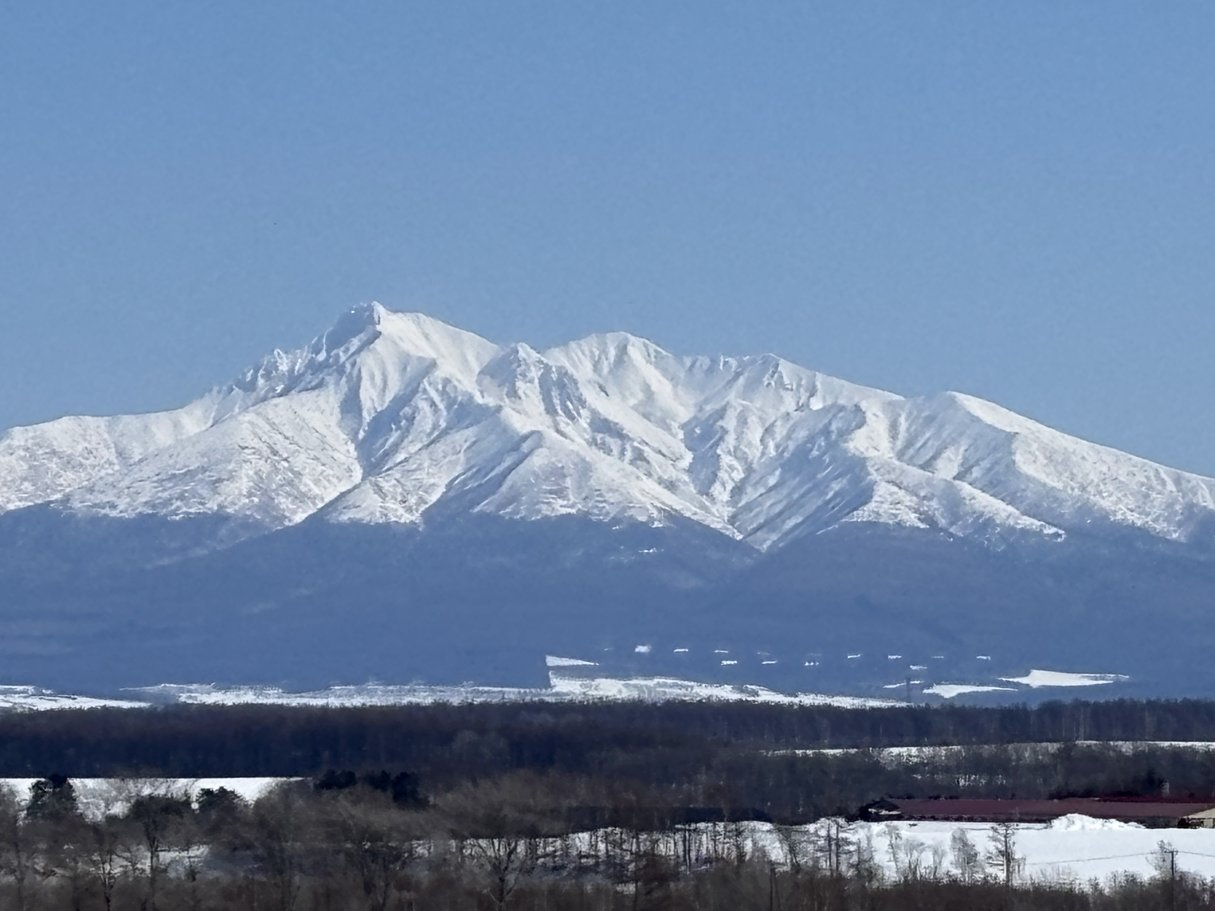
<point>274,829</point>
<point>66,842</point>
<point>937,853</point>
<point>376,840</point>
<point>18,854</point>
<point>966,858</point>
<point>1002,851</point>
<point>797,845</point>
<point>1164,862</point>
<point>834,844</point>
<point>156,819</point>
<point>496,823</point>
<point>865,869</point>
<point>106,841</point>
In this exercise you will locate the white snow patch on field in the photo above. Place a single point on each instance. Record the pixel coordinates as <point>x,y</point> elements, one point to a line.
<point>554,661</point>
<point>949,690</point>
<point>1038,678</point>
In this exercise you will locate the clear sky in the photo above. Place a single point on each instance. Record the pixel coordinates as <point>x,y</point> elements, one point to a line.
<point>1015,200</point>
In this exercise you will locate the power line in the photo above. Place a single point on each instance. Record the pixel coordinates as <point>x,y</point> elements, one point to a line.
<point>1084,860</point>
<point>1195,853</point>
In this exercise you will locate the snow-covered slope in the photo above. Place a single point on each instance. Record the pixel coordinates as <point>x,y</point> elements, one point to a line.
<point>399,418</point>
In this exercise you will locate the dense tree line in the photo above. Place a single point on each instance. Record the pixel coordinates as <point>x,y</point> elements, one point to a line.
<point>686,762</point>
<point>274,740</point>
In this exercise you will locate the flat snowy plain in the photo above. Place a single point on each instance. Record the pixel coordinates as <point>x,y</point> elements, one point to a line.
<point>570,680</point>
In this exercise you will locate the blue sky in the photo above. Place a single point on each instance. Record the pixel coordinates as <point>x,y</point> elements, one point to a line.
<point>1014,200</point>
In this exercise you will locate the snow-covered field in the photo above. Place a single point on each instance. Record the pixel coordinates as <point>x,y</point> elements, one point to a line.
<point>562,688</point>
<point>1072,848</point>
<point>573,680</point>
<point>32,698</point>
<point>905,754</point>
<point>670,689</point>
<point>570,680</point>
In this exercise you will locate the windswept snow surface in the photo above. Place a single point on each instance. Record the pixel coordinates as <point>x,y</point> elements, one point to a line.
<point>394,417</point>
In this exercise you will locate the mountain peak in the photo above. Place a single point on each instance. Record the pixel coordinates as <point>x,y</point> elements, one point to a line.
<point>400,412</point>
<point>615,346</point>
<point>357,322</point>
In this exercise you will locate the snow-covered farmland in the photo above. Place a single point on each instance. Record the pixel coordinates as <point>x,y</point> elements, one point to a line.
<point>1070,849</point>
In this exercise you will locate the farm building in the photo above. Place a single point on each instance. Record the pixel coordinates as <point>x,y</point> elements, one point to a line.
<point>1147,812</point>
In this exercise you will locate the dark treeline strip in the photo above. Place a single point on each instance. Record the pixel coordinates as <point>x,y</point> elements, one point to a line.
<point>285,741</point>
<point>669,763</point>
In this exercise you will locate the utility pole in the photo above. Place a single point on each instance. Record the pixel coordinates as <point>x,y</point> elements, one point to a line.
<point>1172,879</point>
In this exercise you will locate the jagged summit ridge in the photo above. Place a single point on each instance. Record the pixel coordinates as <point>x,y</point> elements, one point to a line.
<point>400,418</point>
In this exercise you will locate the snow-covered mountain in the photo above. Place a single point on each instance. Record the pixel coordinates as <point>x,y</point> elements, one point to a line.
<point>405,498</point>
<point>395,417</point>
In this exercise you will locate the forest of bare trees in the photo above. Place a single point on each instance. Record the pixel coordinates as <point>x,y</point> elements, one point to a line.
<point>553,807</point>
<point>339,843</point>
